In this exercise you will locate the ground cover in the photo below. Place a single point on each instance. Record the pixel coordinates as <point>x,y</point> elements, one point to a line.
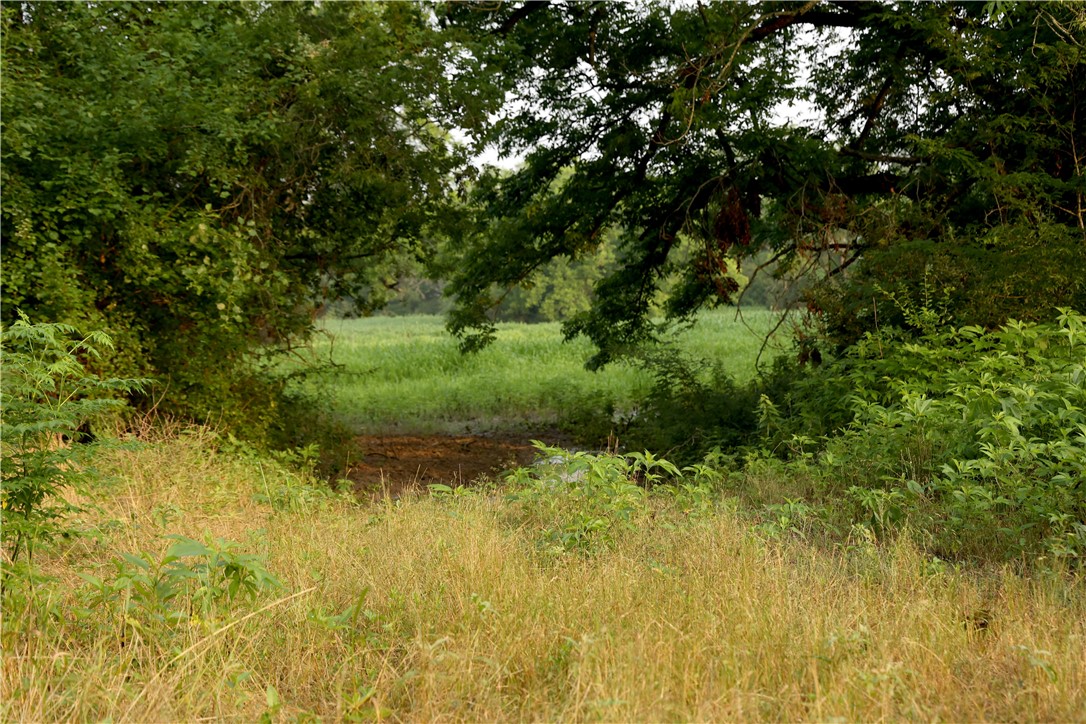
<point>404,375</point>
<point>461,606</point>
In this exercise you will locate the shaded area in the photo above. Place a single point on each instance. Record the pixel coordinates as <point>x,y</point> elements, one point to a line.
<point>395,463</point>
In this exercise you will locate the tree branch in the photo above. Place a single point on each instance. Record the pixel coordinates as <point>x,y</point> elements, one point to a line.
<point>813,18</point>
<point>519,14</point>
<point>880,157</point>
<point>874,110</point>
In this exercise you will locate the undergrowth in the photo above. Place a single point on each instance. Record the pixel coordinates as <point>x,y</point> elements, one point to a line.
<point>855,573</point>
<point>213,582</point>
<point>975,439</point>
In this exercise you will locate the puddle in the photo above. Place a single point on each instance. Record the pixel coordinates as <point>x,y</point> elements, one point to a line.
<point>395,463</point>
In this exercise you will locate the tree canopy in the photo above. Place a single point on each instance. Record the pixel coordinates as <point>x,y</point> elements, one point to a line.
<point>934,143</point>
<point>197,177</point>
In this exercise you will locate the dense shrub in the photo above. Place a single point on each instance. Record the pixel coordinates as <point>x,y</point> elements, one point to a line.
<point>241,166</point>
<point>977,438</point>
<point>694,406</point>
<point>1020,272</point>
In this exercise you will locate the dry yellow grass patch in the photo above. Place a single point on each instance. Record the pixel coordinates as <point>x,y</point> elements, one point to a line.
<point>447,610</point>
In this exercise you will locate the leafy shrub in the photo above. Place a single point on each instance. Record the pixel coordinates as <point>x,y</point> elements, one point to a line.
<point>46,396</point>
<point>191,581</point>
<point>693,407</point>
<point>1014,271</point>
<point>977,437</point>
<point>577,500</point>
<point>581,502</point>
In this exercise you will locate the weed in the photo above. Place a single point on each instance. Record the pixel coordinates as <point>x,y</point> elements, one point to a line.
<point>47,396</point>
<point>188,583</point>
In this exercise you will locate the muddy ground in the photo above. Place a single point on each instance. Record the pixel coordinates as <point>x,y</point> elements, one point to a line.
<point>395,463</point>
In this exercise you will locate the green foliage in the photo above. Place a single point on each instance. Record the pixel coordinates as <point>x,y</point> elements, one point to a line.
<point>581,502</point>
<point>976,438</point>
<point>46,398</point>
<point>934,138</point>
<point>789,517</point>
<point>1020,272</point>
<point>196,179</point>
<point>560,289</point>
<point>192,581</point>
<point>693,407</point>
<point>578,501</point>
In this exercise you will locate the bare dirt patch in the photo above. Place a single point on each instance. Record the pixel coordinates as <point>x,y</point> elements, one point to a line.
<point>394,463</point>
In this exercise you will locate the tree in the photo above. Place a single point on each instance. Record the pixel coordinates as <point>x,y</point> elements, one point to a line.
<point>197,178</point>
<point>936,143</point>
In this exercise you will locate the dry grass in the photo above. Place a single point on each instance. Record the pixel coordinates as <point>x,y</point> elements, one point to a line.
<point>463,618</point>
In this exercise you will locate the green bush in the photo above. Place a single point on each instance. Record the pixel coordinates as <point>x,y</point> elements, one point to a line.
<point>1017,271</point>
<point>47,396</point>
<point>976,438</point>
<point>581,502</point>
<point>694,406</point>
<point>192,580</point>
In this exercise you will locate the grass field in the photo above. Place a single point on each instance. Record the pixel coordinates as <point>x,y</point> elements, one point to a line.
<point>405,374</point>
<point>447,609</point>
<point>210,581</point>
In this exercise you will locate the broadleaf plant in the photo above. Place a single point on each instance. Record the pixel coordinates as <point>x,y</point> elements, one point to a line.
<point>47,397</point>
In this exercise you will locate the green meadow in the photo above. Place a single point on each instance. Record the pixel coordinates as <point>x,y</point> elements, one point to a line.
<point>405,374</point>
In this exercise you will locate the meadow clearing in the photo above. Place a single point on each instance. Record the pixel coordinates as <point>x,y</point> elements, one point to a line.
<point>211,582</point>
<point>405,374</point>
<point>210,513</point>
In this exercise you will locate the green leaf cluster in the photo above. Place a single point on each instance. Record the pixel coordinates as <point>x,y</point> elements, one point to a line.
<point>47,395</point>
<point>197,179</point>
<point>191,581</point>
<point>976,438</point>
<point>580,503</point>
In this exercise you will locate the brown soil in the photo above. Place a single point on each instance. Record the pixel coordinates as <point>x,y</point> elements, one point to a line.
<point>394,463</point>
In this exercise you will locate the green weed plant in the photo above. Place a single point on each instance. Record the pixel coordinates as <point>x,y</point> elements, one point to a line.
<point>580,502</point>
<point>975,437</point>
<point>46,396</point>
<point>191,582</point>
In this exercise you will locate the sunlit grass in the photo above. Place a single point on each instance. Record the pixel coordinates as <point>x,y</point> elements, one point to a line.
<point>463,618</point>
<point>405,373</point>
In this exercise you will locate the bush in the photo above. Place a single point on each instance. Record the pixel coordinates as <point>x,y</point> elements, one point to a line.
<point>976,438</point>
<point>694,406</point>
<point>47,397</point>
<point>583,503</point>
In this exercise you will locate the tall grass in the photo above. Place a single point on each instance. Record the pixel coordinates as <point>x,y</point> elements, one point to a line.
<point>406,374</point>
<point>446,609</point>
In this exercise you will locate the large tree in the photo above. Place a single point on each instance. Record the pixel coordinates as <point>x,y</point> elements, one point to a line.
<point>893,146</point>
<point>196,178</point>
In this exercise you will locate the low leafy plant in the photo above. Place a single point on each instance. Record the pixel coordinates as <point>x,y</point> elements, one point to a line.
<point>46,398</point>
<point>789,517</point>
<point>976,437</point>
<point>580,501</point>
<point>189,582</point>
